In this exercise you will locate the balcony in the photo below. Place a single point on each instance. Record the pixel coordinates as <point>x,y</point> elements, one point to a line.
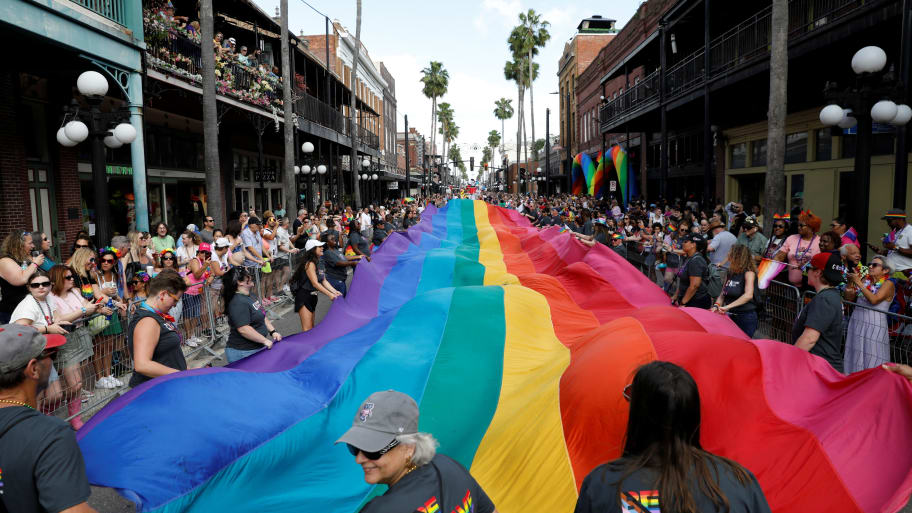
<point>175,50</point>
<point>114,10</point>
<point>742,45</point>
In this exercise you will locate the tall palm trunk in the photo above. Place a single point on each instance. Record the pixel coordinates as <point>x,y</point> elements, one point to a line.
<point>433,123</point>
<point>210,119</point>
<point>291,192</point>
<point>519,97</point>
<point>356,193</point>
<point>774,202</point>
<point>532,103</point>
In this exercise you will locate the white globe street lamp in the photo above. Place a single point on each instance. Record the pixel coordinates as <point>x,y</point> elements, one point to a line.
<point>832,115</point>
<point>321,169</point>
<point>297,170</point>
<point>882,112</point>
<point>903,115</point>
<point>375,177</point>
<point>76,131</point>
<point>848,121</point>
<point>92,83</point>
<point>365,163</point>
<point>869,59</point>
<point>305,169</point>
<point>112,142</point>
<point>63,139</point>
<point>125,133</point>
<point>307,147</point>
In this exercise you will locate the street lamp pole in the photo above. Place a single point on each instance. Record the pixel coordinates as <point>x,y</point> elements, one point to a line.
<point>547,151</point>
<point>867,102</point>
<point>94,86</point>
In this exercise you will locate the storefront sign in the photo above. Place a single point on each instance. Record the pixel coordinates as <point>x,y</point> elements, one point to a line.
<point>268,175</point>
<point>119,170</point>
<point>393,186</point>
<point>612,186</point>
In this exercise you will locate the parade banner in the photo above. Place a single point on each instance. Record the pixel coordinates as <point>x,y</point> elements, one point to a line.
<point>517,344</point>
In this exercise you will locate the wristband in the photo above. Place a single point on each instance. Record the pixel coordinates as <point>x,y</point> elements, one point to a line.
<point>84,311</point>
<point>272,332</point>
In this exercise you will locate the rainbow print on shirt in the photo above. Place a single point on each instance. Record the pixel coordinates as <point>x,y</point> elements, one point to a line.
<point>430,506</point>
<point>467,506</point>
<point>648,498</point>
<point>1,481</point>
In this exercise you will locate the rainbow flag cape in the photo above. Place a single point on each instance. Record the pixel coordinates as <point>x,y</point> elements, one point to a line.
<point>517,344</point>
<point>767,271</point>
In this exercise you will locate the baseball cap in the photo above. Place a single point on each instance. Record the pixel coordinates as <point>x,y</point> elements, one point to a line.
<point>19,344</point>
<point>222,242</point>
<point>831,265</point>
<point>382,417</point>
<point>895,213</point>
<point>693,237</point>
<point>750,222</point>
<point>312,243</point>
<point>193,228</point>
<point>204,246</point>
<point>232,40</point>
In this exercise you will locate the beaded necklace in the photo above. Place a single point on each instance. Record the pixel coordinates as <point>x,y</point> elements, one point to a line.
<point>874,287</point>
<point>17,403</point>
<point>800,258</point>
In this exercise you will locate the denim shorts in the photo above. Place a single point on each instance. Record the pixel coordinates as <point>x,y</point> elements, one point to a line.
<point>233,355</point>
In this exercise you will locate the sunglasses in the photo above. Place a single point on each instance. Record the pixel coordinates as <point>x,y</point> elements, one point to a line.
<point>68,278</point>
<point>168,258</point>
<point>133,283</point>
<point>626,392</point>
<point>107,260</point>
<point>48,353</point>
<point>36,285</point>
<point>373,456</point>
<point>82,246</point>
<point>801,225</point>
<point>174,297</point>
<point>91,260</point>
<point>210,220</point>
<point>874,264</point>
<point>779,227</point>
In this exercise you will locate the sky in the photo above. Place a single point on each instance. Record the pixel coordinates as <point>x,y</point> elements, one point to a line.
<point>469,38</point>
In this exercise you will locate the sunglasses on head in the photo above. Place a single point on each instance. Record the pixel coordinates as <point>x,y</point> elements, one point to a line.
<point>38,284</point>
<point>373,456</point>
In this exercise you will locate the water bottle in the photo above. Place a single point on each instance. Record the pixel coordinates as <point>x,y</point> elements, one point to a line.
<point>110,304</point>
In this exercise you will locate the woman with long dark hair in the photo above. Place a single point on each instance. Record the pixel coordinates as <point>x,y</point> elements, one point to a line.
<point>111,287</point>
<point>251,330</point>
<point>309,279</point>
<point>663,464</point>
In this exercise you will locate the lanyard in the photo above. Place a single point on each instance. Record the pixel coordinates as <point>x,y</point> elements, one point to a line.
<point>806,250</point>
<point>49,316</point>
<point>160,314</point>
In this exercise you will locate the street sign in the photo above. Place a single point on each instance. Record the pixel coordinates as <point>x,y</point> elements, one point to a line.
<point>393,186</point>
<point>613,186</point>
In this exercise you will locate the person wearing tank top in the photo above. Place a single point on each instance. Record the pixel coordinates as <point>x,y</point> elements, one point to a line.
<point>153,337</point>
<point>15,269</point>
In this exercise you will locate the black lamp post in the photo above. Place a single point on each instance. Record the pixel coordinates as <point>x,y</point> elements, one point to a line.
<point>77,126</point>
<point>860,105</point>
<point>305,169</point>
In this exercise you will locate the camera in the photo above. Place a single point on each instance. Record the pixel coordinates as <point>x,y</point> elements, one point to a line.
<point>35,253</point>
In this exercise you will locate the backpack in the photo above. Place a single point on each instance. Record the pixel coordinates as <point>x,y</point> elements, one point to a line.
<point>713,280</point>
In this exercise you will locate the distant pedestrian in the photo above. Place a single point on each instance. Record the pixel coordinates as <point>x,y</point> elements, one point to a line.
<point>308,280</point>
<point>162,240</point>
<point>738,293</point>
<point>337,263</point>
<point>691,287</point>
<point>721,242</point>
<point>818,328</point>
<point>42,465</point>
<point>251,330</point>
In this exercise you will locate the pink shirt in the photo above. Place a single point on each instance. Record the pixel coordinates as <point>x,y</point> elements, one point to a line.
<point>70,302</point>
<point>799,253</point>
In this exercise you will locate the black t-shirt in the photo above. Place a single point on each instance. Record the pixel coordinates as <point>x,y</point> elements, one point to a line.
<point>443,485</point>
<point>694,266</point>
<point>599,492</point>
<point>42,467</point>
<point>620,249</point>
<point>356,239</point>
<point>379,235</point>
<point>302,240</point>
<point>330,258</point>
<point>824,314</point>
<point>168,350</point>
<point>733,289</point>
<point>245,311</point>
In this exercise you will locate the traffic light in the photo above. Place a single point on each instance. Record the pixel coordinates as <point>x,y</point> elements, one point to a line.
<point>486,166</point>
<point>471,163</point>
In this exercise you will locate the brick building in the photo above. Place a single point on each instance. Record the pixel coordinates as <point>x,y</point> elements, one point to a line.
<point>592,34</point>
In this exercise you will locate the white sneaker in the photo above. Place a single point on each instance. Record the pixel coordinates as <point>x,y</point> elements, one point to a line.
<point>193,341</point>
<point>116,382</point>
<point>105,382</point>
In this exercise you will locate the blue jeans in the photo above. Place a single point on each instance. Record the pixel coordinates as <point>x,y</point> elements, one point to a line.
<point>746,321</point>
<point>338,285</point>
<point>233,355</point>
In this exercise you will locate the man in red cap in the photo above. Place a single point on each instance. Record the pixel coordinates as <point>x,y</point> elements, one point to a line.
<point>818,328</point>
<point>41,465</point>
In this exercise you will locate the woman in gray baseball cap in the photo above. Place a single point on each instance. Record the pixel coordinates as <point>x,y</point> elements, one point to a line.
<point>385,441</point>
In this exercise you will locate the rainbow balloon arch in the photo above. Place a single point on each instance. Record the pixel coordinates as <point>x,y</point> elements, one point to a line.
<point>517,344</point>
<point>594,177</point>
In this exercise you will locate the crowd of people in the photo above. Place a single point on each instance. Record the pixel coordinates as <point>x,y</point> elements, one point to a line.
<point>709,257</point>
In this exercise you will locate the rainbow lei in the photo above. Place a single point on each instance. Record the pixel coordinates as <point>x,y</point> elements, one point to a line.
<point>874,287</point>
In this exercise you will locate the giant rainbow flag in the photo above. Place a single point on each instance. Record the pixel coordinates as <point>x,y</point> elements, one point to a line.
<point>517,344</point>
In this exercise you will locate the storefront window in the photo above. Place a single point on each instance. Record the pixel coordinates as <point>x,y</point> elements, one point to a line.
<point>237,166</point>
<point>824,146</point>
<point>738,155</point>
<point>758,153</point>
<point>796,147</point>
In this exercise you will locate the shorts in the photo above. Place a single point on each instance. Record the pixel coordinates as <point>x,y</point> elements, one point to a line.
<point>233,355</point>
<point>191,306</point>
<point>305,298</point>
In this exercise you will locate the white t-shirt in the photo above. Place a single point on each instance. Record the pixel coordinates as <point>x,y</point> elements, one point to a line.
<point>29,308</point>
<point>185,253</point>
<point>283,238</point>
<point>896,261</point>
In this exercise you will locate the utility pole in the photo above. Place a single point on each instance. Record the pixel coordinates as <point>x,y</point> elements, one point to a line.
<point>408,172</point>
<point>548,151</point>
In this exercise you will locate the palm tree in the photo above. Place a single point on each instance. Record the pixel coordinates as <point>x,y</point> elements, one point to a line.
<point>210,122</point>
<point>493,142</point>
<point>445,116</point>
<point>353,161</point>
<point>533,35</point>
<point>775,168</point>
<point>503,110</point>
<point>517,71</point>
<point>436,80</point>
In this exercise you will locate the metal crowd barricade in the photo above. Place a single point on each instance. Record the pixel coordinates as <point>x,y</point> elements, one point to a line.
<point>781,304</point>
